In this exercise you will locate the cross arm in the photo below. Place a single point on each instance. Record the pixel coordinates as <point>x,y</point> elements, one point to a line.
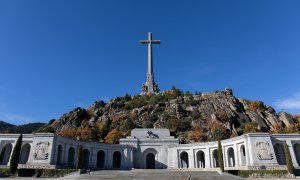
<point>144,41</point>
<point>155,41</point>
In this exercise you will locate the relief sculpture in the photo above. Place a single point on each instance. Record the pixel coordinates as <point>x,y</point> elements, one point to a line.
<point>41,151</point>
<point>263,151</point>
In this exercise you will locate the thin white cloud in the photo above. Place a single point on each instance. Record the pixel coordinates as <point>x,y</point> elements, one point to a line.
<point>15,118</point>
<point>292,103</point>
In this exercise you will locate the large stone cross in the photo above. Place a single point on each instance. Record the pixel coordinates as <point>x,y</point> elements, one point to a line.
<point>150,86</point>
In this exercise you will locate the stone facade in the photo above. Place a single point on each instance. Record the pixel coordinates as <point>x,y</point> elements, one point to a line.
<point>152,148</point>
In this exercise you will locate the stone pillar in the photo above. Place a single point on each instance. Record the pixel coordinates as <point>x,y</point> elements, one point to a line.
<point>236,155</point>
<point>292,152</point>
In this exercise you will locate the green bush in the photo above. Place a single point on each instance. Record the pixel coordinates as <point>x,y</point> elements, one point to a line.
<point>262,173</point>
<point>4,172</point>
<point>52,173</point>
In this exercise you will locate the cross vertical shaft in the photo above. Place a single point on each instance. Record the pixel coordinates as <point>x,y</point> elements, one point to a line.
<point>150,86</point>
<point>150,62</point>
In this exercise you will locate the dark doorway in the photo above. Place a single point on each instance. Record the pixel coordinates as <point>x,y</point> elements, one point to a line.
<point>150,161</point>
<point>24,154</point>
<point>117,160</point>
<point>5,154</point>
<point>184,157</point>
<point>86,159</point>
<point>71,156</point>
<point>100,159</point>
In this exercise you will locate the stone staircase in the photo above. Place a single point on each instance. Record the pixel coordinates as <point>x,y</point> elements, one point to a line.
<point>147,174</point>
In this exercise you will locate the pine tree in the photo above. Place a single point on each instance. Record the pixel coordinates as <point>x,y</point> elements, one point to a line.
<point>14,161</point>
<point>220,156</point>
<point>288,159</point>
<point>79,158</point>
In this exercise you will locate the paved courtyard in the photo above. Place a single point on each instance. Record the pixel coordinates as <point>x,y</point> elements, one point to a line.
<point>145,174</point>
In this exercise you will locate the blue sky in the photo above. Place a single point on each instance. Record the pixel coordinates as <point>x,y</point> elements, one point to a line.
<point>57,55</point>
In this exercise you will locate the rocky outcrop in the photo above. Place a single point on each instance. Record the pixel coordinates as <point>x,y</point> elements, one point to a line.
<point>219,106</point>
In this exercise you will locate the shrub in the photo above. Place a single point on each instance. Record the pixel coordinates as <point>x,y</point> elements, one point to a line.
<point>48,129</point>
<point>126,125</point>
<point>249,128</point>
<point>217,131</point>
<point>223,116</point>
<point>52,173</point>
<point>172,123</point>
<point>79,158</point>
<point>256,105</point>
<point>262,173</point>
<point>84,134</point>
<point>113,137</point>
<point>14,161</point>
<point>4,172</point>
<point>103,130</point>
<point>288,159</point>
<point>196,134</point>
<point>69,133</point>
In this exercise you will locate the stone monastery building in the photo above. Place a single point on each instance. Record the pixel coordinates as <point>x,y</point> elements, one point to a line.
<point>152,149</point>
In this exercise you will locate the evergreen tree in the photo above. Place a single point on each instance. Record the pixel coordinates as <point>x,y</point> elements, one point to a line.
<point>288,159</point>
<point>79,158</point>
<point>14,161</point>
<point>220,156</point>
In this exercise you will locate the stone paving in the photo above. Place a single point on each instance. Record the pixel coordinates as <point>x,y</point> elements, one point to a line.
<point>145,174</point>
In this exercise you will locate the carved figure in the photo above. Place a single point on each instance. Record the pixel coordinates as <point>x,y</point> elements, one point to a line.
<point>263,151</point>
<point>41,151</point>
<point>151,135</point>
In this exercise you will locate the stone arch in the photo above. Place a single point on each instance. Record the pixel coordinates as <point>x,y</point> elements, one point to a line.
<point>243,155</point>
<point>24,153</point>
<point>100,159</point>
<point>215,158</point>
<point>117,160</point>
<point>230,157</point>
<point>297,152</point>
<point>150,159</point>
<point>184,160</point>
<point>200,159</point>
<point>279,152</point>
<point>71,157</point>
<point>59,160</point>
<point>86,159</point>
<point>5,154</point>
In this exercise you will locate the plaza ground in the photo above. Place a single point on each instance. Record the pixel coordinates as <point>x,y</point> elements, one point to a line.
<point>147,174</point>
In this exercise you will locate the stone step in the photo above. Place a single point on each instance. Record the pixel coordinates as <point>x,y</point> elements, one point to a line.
<point>147,174</point>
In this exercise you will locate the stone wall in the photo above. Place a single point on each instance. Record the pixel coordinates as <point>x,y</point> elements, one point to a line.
<point>153,148</point>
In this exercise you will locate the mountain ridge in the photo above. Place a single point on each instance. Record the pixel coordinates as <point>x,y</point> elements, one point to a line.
<point>190,117</point>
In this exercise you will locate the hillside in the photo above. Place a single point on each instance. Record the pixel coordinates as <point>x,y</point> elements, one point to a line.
<point>24,129</point>
<point>190,117</point>
<point>4,125</point>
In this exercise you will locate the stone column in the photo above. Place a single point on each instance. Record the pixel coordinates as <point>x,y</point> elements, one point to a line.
<point>292,152</point>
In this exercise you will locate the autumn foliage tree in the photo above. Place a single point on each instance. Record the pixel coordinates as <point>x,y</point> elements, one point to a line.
<point>84,134</point>
<point>196,133</point>
<point>113,136</point>
<point>217,131</point>
<point>69,133</point>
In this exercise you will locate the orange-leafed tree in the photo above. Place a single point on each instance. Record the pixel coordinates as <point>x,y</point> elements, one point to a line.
<point>84,134</point>
<point>113,136</point>
<point>196,134</point>
<point>69,133</point>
